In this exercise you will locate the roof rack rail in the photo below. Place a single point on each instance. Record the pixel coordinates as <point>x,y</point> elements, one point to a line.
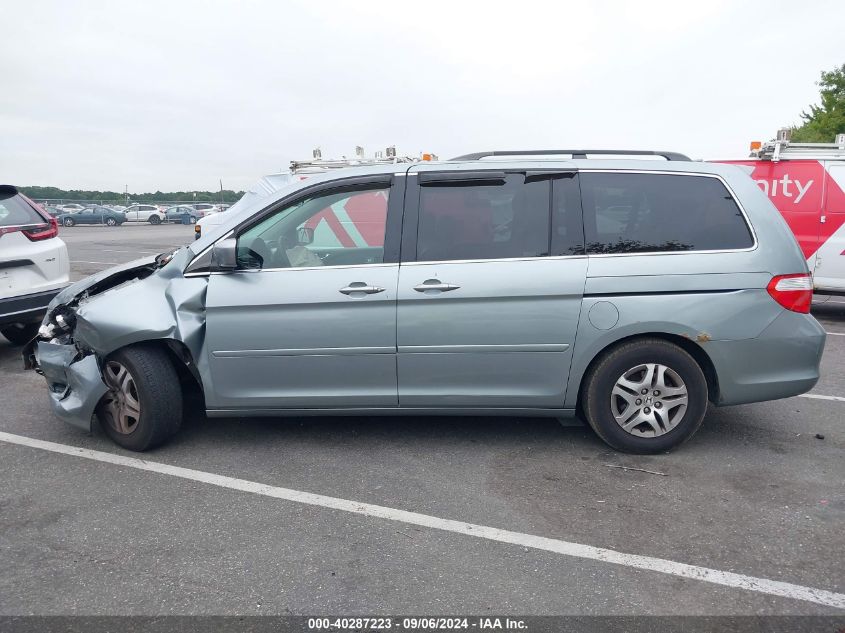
<point>576,153</point>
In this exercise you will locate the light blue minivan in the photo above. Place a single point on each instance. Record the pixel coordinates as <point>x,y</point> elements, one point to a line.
<point>629,291</point>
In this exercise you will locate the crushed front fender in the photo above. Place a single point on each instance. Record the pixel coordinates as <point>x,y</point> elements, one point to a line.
<point>74,380</point>
<point>141,302</point>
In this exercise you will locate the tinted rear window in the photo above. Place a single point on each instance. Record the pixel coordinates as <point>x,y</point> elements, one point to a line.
<point>640,213</point>
<point>14,211</point>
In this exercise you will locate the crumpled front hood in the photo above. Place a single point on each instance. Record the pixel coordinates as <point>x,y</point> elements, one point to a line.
<point>142,300</point>
<point>77,288</point>
<point>68,312</point>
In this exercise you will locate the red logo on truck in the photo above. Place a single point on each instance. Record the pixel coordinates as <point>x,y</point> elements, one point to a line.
<point>797,189</point>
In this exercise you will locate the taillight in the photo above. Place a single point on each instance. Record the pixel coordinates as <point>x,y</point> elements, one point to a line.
<point>44,232</point>
<point>34,232</point>
<point>793,292</point>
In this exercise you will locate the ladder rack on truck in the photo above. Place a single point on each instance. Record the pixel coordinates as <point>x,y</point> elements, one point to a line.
<point>318,164</point>
<point>782,148</point>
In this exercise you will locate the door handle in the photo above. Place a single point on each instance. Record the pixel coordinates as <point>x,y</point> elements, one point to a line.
<point>435,285</point>
<point>360,286</point>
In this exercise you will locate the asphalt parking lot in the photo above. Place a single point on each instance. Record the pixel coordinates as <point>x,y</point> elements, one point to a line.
<point>756,497</point>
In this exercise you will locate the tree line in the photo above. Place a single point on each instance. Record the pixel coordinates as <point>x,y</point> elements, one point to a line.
<point>54,193</point>
<point>824,121</point>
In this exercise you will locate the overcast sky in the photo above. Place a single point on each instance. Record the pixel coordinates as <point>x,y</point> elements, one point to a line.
<point>176,95</point>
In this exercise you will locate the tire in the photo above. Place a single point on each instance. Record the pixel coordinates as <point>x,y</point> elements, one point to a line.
<point>68,221</point>
<point>613,388</point>
<point>111,222</point>
<point>193,220</point>
<point>143,411</point>
<point>154,219</point>
<point>20,333</point>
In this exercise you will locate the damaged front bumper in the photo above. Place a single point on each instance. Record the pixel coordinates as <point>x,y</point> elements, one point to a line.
<point>74,380</point>
<point>138,302</point>
<point>66,360</point>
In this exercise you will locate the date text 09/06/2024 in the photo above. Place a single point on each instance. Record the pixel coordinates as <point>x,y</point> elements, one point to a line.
<point>416,623</point>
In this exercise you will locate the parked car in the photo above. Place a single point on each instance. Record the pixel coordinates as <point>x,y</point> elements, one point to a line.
<point>94,214</point>
<point>179,213</point>
<point>34,265</point>
<point>144,213</point>
<point>206,209</point>
<point>52,210</point>
<point>70,208</point>
<point>633,292</point>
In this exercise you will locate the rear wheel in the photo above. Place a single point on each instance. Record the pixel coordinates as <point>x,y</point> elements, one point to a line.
<point>645,396</point>
<point>154,219</point>
<point>143,406</point>
<point>20,333</point>
<point>68,222</point>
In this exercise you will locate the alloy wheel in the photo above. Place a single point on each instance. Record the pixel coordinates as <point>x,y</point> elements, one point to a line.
<point>649,400</point>
<point>121,405</point>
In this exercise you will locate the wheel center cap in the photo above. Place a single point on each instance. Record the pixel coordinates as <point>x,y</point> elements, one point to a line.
<point>649,399</point>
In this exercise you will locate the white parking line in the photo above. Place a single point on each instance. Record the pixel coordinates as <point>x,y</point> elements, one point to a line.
<point>577,550</point>
<point>834,333</point>
<point>80,261</point>
<point>821,397</point>
<point>108,250</point>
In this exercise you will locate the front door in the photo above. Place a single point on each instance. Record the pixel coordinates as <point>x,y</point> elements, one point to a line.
<point>309,318</point>
<point>490,290</point>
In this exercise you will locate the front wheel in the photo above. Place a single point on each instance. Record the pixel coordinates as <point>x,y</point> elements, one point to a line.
<point>143,406</point>
<point>645,396</point>
<point>154,219</point>
<point>110,221</point>
<point>68,222</point>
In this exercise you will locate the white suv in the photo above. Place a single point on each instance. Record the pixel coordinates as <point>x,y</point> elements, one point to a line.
<point>144,213</point>
<point>71,208</point>
<point>33,265</point>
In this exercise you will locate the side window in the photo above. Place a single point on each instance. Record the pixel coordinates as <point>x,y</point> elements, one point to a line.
<point>483,219</point>
<point>641,213</point>
<point>567,224</point>
<point>340,228</point>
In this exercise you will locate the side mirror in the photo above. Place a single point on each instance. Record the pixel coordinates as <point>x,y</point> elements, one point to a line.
<point>224,255</point>
<point>305,235</point>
